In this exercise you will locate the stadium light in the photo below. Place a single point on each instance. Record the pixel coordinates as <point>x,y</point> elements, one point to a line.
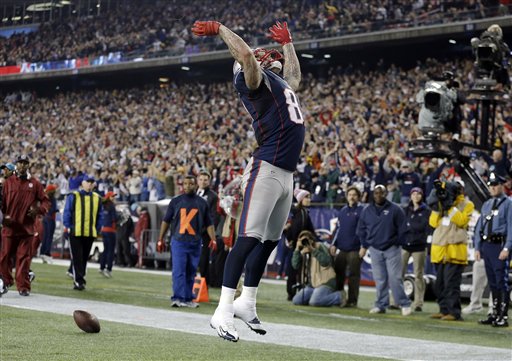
<point>163,80</point>
<point>308,56</point>
<point>451,41</point>
<point>327,56</point>
<point>186,68</point>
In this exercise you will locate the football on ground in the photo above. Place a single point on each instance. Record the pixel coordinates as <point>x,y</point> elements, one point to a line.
<point>86,321</point>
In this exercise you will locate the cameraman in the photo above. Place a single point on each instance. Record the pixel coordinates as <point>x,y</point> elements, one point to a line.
<point>316,274</point>
<point>451,212</point>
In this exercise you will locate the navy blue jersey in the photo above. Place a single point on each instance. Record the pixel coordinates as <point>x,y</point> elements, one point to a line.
<point>188,215</point>
<point>277,119</point>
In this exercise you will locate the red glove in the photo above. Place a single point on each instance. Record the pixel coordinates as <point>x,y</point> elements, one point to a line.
<point>280,33</point>
<point>160,245</point>
<point>213,245</point>
<point>206,28</point>
<point>228,242</point>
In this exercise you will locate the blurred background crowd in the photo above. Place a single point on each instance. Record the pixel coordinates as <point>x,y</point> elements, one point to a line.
<point>140,142</point>
<point>162,29</point>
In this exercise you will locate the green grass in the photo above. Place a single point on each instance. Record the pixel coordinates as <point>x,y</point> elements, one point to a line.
<point>31,335</point>
<point>50,337</point>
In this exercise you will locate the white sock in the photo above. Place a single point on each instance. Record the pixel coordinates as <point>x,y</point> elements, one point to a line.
<point>249,294</point>
<point>227,296</point>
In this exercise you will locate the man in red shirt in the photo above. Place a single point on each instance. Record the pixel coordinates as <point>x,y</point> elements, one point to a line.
<point>23,200</point>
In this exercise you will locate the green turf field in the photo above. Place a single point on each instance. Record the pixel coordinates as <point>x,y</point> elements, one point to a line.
<point>31,335</point>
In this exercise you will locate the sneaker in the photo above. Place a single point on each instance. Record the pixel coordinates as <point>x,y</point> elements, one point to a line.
<point>377,310</point>
<point>106,273</point>
<point>176,303</point>
<point>472,309</point>
<point>247,313</point>
<point>70,275</point>
<point>3,287</point>
<point>451,318</point>
<point>438,315</point>
<point>224,325</point>
<point>78,287</point>
<point>394,307</point>
<point>31,276</point>
<point>406,311</point>
<point>418,309</point>
<point>24,293</point>
<point>189,304</point>
<point>47,259</point>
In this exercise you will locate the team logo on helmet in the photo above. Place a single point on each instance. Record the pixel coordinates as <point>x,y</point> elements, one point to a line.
<point>267,57</point>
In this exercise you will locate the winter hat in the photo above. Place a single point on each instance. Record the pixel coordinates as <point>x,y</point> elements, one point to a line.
<point>417,189</point>
<point>300,194</point>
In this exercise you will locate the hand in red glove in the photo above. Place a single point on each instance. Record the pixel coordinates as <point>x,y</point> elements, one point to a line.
<point>213,245</point>
<point>160,245</point>
<point>228,242</point>
<point>206,28</point>
<point>280,33</point>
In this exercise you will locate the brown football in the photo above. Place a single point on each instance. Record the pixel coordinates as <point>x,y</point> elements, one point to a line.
<point>86,321</point>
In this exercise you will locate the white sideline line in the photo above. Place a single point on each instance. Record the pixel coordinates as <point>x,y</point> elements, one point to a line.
<point>368,345</point>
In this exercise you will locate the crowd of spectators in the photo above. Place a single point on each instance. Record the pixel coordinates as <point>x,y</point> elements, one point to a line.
<point>141,142</point>
<point>161,29</point>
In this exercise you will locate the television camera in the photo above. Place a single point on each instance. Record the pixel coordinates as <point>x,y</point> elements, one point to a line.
<point>440,112</point>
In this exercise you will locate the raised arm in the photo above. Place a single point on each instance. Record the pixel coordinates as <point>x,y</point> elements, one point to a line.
<point>291,71</point>
<point>237,47</point>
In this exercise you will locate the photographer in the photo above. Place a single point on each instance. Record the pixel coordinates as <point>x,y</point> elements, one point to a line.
<point>317,277</point>
<point>451,212</point>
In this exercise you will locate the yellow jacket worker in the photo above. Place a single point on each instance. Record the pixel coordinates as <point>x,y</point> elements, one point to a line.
<point>82,216</point>
<point>450,216</point>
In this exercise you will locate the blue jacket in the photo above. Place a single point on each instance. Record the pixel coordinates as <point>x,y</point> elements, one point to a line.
<point>345,238</point>
<point>109,218</point>
<point>188,215</point>
<point>501,222</point>
<point>417,228</point>
<point>381,227</point>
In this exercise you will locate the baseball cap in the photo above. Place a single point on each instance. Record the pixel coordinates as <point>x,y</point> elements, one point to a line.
<point>89,178</point>
<point>9,166</point>
<point>50,188</point>
<point>23,158</point>
<point>110,195</point>
<point>495,179</point>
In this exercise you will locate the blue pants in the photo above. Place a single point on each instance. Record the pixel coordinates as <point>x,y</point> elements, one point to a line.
<point>185,259</point>
<point>496,270</point>
<point>49,230</point>
<point>319,296</point>
<point>109,246</point>
<point>387,273</point>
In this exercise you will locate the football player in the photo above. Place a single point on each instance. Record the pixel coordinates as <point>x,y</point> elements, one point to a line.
<point>267,183</point>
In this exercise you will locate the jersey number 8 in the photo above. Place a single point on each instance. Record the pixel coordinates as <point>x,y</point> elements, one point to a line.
<point>293,107</point>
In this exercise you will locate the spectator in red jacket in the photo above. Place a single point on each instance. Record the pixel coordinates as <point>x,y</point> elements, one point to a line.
<point>142,224</point>
<point>23,200</point>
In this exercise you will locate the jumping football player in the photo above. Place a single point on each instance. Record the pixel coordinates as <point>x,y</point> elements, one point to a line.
<point>268,178</point>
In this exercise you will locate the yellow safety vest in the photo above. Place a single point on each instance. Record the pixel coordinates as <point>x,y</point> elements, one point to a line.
<point>85,214</point>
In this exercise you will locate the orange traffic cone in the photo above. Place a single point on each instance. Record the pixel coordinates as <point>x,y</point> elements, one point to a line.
<point>200,290</point>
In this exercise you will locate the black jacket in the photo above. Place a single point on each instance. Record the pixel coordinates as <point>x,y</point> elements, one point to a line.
<point>300,221</point>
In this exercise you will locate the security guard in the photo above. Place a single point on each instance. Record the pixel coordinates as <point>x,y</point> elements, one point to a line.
<point>493,241</point>
<point>83,217</point>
